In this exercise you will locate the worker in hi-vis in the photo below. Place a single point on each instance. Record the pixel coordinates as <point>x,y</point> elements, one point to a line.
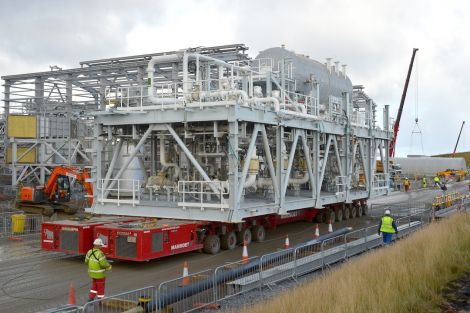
<point>425,182</point>
<point>406,184</point>
<point>387,227</point>
<point>437,181</point>
<point>97,267</point>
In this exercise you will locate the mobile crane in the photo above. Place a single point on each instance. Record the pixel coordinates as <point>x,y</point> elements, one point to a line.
<point>396,126</point>
<point>56,193</point>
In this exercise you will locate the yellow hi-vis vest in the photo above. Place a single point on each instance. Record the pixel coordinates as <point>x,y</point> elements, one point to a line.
<point>97,263</point>
<point>437,179</point>
<point>386,226</point>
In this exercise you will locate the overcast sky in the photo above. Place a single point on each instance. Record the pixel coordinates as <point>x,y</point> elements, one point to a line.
<point>375,39</point>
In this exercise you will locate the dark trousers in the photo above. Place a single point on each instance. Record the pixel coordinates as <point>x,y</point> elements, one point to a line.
<point>387,238</point>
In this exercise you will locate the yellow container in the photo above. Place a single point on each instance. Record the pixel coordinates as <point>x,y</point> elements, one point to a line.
<point>29,157</point>
<point>18,221</point>
<point>22,126</point>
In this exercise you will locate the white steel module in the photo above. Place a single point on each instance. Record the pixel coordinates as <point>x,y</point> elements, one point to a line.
<point>209,134</point>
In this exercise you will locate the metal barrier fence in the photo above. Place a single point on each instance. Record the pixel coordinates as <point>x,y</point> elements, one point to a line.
<point>65,309</point>
<point>14,224</point>
<point>207,288</point>
<point>121,302</point>
<point>186,301</point>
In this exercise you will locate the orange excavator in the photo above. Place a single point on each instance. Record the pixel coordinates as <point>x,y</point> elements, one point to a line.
<point>56,193</point>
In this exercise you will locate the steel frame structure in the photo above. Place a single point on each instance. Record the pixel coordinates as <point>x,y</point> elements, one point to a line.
<point>69,94</point>
<point>185,101</point>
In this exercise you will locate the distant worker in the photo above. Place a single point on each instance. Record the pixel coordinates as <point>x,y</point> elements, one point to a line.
<point>425,182</point>
<point>437,181</point>
<point>406,184</point>
<point>387,227</point>
<point>97,265</point>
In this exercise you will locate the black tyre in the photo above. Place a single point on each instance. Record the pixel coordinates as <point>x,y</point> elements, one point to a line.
<point>353,211</point>
<point>259,233</point>
<point>212,244</point>
<point>331,216</point>
<point>244,236</point>
<point>346,213</point>
<point>365,209</point>
<point>339,215</point>
<point>320,217</point>
<point>228,241</point>
<point>359,212</point>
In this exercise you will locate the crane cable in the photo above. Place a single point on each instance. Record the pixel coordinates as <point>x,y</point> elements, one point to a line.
<point>416,129</point>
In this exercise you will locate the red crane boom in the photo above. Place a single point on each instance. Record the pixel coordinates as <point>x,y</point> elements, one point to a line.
<point>391,151</point>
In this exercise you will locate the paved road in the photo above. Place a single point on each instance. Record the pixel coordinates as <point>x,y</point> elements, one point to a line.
<point>32,280</point>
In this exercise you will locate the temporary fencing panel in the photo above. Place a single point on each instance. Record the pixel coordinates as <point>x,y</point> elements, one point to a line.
<point>132,300</point>
<point>186,294</point>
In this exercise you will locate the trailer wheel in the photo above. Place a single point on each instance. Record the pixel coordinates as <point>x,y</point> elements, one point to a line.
<point>259,233</point>
<point>212,244</point>
<point>244,236</point>
<point>331,217</point>
<point>358,210</point>
<point>228,241</point>
<point>353,211</point>
<point>339,215</point>
<point>346,212</point>
<point>365,209</point>
<point>320,217</point>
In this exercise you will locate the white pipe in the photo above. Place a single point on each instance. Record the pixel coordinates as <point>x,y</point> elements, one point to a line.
<point>163,161</point>
<point>297,106</point>
<point>272,100</point>
<point>150,78</point>
<point>251,179</point>
<point>263,182</point>
<point>300,115</point>
<point>187,56</point>
<point>299,181</point>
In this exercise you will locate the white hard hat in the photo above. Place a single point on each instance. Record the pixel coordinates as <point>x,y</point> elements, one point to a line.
<point>98,242</point>
<point>387,212</point>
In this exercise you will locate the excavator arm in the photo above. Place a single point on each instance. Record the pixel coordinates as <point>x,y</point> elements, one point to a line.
<point>51,186</point>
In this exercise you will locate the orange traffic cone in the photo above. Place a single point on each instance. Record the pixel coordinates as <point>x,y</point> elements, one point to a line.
<point>330,227</point>
<point>317,232</point>
<point>72,298</point>
<point>245,254</point>
<point>185,280</point>
<point>286,243</point>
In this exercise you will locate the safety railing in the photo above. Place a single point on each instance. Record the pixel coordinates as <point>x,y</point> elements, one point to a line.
<point>65,309</point>
<point>229,281</point>
<point>341,185</point>
<point>186,299</point>
<point>119,191</point>
<point>16,225</point>
<point>277,266</point>
<point>301,100</point>
<point>135,299</point>
<point>359,118</point>
<point>380,183</point>
<point>203,194</point>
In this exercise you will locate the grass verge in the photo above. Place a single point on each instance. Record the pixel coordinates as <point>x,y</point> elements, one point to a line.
<point>406,277</point>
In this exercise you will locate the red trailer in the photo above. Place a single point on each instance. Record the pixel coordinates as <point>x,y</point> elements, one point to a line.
<point>151,239</point>
<point>143,239</point>
<point>146,240</point>
<point>74,236</point>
